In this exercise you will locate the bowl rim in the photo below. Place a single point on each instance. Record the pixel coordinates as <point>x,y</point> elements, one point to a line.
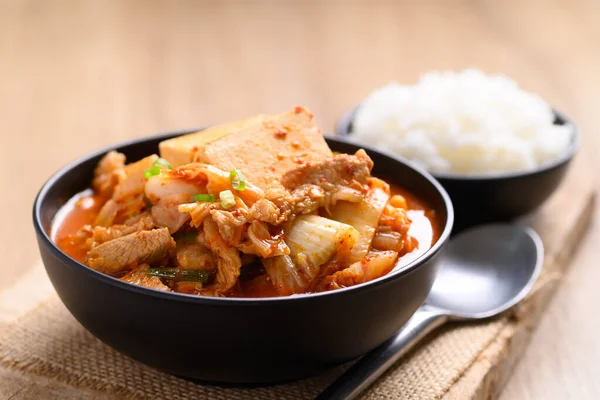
<point>56,177</point>
<point>344,122</point>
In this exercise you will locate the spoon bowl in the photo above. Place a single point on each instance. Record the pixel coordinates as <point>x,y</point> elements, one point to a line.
<point>485,271</point>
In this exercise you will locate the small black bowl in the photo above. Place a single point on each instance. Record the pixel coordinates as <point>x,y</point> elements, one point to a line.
<point>498,197</point>
<point>235,340</point>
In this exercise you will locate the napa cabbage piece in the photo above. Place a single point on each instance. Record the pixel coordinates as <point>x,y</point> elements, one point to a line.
<point>313,240</point>
<point>363,216</point>
<point>376,264</point>
<point>284,275</point>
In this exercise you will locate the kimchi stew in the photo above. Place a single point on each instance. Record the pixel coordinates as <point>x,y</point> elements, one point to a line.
<point>256,208</point>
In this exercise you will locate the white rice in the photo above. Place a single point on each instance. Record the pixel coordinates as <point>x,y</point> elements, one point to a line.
<point>465,123</point>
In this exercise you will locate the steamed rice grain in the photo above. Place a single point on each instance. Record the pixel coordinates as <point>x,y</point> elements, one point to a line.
<point>466,123</point>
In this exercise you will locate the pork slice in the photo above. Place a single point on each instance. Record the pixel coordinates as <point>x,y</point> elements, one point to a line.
<point>266,211</point>
<point>228,260</point>
<point>143,222</point>
<point>139,276</point>
<point>150,247</point>
<point>339,170</point>
<point>304,199</point>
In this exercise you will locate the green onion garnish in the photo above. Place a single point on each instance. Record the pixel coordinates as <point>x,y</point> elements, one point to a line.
<point>237,180</point>
<point>227,199</point>
<point>152,171</point>
<point>157,165</point>
<point>204,197</point>
<point>177,274</point>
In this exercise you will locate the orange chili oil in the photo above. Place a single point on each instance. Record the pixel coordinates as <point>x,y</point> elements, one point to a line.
<point>83,212</point>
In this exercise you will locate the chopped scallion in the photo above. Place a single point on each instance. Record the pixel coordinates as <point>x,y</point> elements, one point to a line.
<point>237,180</point>
<point>157,165</point>
<point>204,197</point>
<point>227,199</point>
<point>152,171</point>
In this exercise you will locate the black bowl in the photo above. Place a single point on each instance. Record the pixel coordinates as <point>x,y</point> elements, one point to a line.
<point>498,197</point>
<point>231,339</point>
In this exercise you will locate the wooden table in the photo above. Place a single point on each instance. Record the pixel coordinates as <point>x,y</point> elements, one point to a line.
<point>77,75</point>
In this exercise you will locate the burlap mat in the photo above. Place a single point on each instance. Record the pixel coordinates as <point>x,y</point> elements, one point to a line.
<point>46,340</point>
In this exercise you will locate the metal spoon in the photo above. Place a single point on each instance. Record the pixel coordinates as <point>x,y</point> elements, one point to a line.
<point>485,271</point>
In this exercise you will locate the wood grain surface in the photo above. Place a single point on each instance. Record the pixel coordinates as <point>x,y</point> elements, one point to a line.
<point>77,75</point>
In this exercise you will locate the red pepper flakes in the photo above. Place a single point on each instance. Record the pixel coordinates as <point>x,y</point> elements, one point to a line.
<point>280,134</point>
<point>299,110</point>
<point>299,160</point>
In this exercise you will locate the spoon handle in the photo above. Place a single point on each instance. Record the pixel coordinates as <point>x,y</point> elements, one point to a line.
<point>371,366</point>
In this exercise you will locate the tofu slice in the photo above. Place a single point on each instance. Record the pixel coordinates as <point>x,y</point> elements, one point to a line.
<point>263,147</point>
<point>181,150</point>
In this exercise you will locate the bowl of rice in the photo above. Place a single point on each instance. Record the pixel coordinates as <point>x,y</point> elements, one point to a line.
<point>498,150</point>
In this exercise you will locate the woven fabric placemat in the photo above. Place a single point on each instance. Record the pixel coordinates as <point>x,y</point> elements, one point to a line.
<point>47,341</point>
